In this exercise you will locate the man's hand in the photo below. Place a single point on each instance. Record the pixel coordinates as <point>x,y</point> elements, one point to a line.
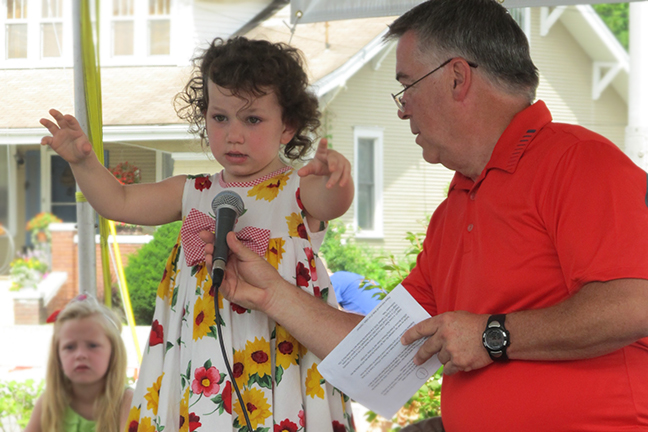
<point>249,280</point>
<point>328,162</point>
<point>456,338</point>
<point>68,139</point>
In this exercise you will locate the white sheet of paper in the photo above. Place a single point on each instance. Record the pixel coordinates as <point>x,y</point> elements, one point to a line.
<point>371,366</point>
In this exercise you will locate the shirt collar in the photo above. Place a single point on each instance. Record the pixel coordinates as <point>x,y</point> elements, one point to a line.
<point>512,144</point>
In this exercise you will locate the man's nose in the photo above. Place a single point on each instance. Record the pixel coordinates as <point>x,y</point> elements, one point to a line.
<point>403,114</point>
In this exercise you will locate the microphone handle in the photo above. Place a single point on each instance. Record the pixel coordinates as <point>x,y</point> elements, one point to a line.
<point>225,220</point>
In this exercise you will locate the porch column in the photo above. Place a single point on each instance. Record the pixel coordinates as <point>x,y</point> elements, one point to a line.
<point>636,141</point>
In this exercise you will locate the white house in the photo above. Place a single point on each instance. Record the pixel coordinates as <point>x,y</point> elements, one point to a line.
<point>145,57</point>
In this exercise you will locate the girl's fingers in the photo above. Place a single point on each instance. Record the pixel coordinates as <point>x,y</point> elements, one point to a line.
<point>51,126</point>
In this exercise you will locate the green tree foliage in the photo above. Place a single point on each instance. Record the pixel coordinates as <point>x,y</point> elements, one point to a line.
<point>17,401</point>
<point>145,269</point>
<point>615,15</point>
<point>342,253</point>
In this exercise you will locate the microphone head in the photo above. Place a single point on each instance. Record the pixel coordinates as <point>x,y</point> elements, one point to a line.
<point>228,199</point>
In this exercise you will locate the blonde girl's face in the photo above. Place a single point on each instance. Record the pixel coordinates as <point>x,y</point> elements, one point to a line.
<point>84,351</point>
<point>245,138</point>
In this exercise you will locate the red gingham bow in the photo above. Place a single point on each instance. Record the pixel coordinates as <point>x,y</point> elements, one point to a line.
<point>256,239</point>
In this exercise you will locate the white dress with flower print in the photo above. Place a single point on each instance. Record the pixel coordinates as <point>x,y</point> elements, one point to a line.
<point>184,384</point>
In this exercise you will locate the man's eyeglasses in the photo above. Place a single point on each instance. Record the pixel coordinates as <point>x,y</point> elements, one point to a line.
<point>399,99</point>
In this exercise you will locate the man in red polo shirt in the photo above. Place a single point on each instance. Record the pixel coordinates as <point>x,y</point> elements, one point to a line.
<point>535,268</point>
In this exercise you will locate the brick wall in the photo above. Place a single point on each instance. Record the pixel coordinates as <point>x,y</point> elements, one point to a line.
<point>65,259</point>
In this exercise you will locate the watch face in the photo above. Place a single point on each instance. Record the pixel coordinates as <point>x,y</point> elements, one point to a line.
<point>494,338</point>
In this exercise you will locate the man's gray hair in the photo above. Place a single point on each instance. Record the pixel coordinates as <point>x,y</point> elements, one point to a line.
<point>481,31</point>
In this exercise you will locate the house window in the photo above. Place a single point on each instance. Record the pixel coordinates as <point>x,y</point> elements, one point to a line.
<point>16,29</point>
<point>140,31</point>
<point>123,28</point>
<point>52,28</point>
<point>159,27</point>
<point>368,181</point>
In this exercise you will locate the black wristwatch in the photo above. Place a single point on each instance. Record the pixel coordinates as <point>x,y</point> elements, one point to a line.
<point>496,338</point>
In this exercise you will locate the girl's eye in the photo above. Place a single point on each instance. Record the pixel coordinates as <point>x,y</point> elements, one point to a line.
<point>220,118</point>
<point>254,120</point>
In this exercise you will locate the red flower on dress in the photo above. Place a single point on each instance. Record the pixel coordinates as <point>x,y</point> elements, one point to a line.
<point>302,418</point>
<point>133,426</point>
<point>311,262</point>
<point>227,397</point>
<point>285,426</point>
<point>206,381</point>
<point>194,422</point>
<point>238,309</point>
<point>301,230</point>
<point>286,348</point>
<point>237,369</point>
<point>302,275</point>
<point>259,357</point>
<point>200,318</point>
<point>202,183</point>
<point>298,196</point>
<point>157,334</point>
<point>338,427</point>
<point>316,291</point>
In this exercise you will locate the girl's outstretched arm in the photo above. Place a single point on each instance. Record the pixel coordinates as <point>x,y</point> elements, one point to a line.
<point>326,184</point>
<point>141,204</point>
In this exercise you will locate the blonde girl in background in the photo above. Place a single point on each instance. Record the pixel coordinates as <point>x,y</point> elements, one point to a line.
<point>85,386</point>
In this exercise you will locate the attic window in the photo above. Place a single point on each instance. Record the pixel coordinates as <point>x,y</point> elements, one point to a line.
<point>16,30</point>
<point>52,28</point>
<point>159,27</point>
<point>123,28</point>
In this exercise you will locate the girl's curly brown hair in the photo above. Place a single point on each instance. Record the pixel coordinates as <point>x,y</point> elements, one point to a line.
<point>251,67</point>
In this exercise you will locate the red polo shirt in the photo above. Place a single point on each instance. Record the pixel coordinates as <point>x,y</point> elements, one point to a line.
<point>556,207</point>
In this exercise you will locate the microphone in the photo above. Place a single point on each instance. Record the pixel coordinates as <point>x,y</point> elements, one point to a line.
<point>227,207</point>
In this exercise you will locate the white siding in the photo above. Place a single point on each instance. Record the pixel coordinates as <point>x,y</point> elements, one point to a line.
<point>566,83</point>
<point>412,187</point>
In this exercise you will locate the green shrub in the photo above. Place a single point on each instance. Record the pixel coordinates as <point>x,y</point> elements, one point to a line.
<point>17,401</point>
<point>342,253</point>
<point>145,269</point>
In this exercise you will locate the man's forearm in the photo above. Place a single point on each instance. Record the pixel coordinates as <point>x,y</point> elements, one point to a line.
<point>310,320</point>
<point>600,318</point>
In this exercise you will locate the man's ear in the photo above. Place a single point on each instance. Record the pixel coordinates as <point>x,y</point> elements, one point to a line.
<point>462,78</point>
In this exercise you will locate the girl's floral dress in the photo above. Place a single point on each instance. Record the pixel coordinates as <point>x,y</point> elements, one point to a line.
<point>184,384</point>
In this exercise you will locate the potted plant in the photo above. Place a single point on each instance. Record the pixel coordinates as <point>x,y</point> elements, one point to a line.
<point>126,173</point>
<point>39,227</point>
<point>27,271</point>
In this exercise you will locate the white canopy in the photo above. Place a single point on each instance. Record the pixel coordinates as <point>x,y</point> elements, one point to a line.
<point>331,10</point>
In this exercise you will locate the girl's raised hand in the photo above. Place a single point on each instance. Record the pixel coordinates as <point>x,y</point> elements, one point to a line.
<point>328,162</point>
<point>68,139</point>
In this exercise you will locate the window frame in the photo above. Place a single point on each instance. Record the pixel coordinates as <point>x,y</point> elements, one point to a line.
<point>376,134</point>
<point>141,36</point>
<point>34,21</point>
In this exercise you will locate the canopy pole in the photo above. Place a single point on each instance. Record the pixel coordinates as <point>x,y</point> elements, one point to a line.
<point>87,263</point>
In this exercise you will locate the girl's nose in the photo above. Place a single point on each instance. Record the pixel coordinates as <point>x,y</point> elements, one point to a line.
<point>235,133</point>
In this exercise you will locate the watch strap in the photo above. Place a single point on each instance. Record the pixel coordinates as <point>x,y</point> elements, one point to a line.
<point>497,321</point>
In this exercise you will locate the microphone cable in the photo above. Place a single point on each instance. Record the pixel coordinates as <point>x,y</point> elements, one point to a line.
<point>217,280</point>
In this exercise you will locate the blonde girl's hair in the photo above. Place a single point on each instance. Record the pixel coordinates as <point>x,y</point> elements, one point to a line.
<point>58,388</point>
